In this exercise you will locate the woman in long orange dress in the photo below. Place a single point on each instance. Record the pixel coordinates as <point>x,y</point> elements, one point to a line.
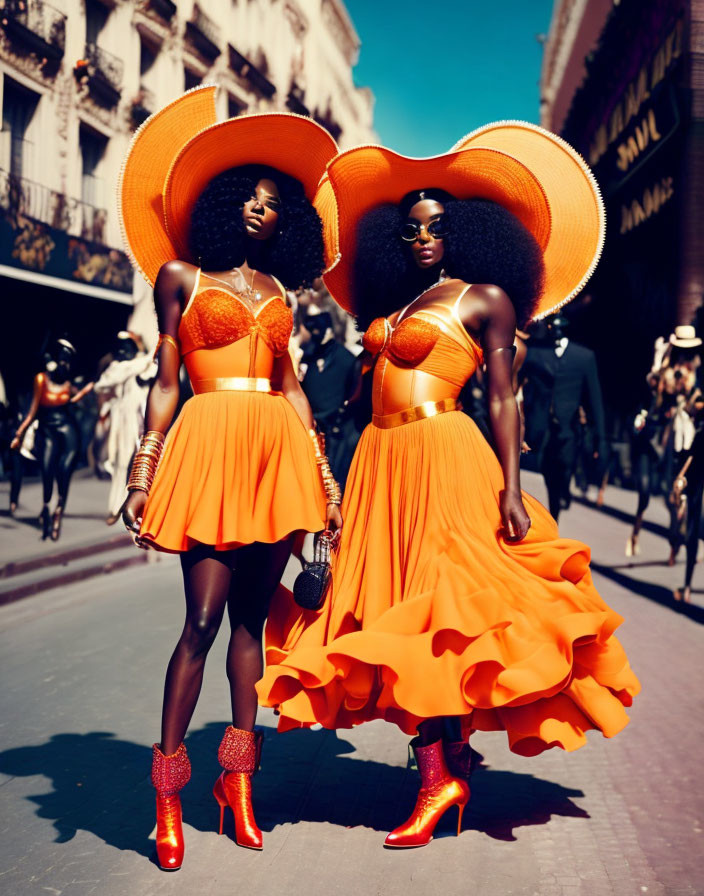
<point>237,475</point>
<point>453,597</point>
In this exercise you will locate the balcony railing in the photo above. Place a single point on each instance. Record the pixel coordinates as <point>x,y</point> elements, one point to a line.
<point>36,25</point>
<point>21,196</point>
<point>247,69</point>
<point>103,73</point>
<point>203,34</point>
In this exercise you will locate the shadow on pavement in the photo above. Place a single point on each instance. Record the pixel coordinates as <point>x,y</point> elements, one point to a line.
<point>102,785</point>
<point>623,515</point>
<point>658,593</point>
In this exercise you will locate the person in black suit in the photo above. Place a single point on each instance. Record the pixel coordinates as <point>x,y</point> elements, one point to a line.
<point>559,377</point>
<point>329,375</point>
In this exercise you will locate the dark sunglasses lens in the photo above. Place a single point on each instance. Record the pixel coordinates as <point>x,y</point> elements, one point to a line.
<point>409,233</point>
<point>437,228</point>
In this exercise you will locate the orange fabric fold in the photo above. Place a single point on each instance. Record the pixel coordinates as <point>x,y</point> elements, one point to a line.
<point>432,613</point>
<point>238,467</point>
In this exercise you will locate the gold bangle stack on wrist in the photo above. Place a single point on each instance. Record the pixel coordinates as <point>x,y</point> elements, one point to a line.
<point>145,462</point>
<point>331,487</point>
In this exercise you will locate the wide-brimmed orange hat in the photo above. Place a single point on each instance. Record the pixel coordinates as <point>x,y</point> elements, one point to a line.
<point>533,183</point>
<point>576,207</point>
<point>293,144</point>
<point>141,183</point>
<point>368,176</point>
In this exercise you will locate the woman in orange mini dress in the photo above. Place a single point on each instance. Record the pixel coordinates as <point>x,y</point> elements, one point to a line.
<point>455,605</point>
<point>238,473</point>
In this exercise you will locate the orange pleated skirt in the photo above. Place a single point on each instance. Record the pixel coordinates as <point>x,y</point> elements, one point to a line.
<point>237,468</point>
<point>432,613</point>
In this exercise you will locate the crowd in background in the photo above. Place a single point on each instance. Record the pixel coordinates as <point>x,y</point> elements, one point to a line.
<point>564,432</point>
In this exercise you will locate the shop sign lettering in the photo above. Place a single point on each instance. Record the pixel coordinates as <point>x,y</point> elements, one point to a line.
<point>637,93</point>
<point>648,204</point>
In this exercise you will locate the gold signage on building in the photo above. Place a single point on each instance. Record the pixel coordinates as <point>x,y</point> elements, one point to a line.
<point>637,92</point>
<point>647,205</point>
<point>645,134</point>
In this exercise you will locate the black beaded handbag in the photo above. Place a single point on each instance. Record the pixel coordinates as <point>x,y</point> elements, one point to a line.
<point>312,582</point>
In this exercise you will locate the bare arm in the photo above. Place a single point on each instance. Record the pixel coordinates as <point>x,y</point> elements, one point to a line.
<point>294,394</point>
<point>498,329</point>
<point>82,393</point>
<point>172,282</point>
<point>285,375</point>
<point>31,413</point>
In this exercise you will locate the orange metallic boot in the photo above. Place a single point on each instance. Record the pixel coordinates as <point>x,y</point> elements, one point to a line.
<point>169,775</point>
<point>239,754</point>
<point>438,792</point>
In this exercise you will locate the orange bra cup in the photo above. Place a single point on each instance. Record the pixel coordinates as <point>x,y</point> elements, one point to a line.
<point>374,340</point>
<point>216,318</point>
<point>413,340</point>
<point>275,322</point>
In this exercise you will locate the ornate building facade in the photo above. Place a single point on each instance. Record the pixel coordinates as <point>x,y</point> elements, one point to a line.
<point>77,77</point>
<point>623,82</point>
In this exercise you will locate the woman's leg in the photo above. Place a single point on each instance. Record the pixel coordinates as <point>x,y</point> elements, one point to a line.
<point>207,574</point>
<point>47,456</point>
<point>68,452</point>
<point>258,571</point>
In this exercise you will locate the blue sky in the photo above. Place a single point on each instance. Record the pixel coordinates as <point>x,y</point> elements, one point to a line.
<point>440,68</point>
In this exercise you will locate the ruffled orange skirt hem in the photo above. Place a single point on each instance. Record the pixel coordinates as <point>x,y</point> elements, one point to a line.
<point>432,613</point>
<point>237,468</point>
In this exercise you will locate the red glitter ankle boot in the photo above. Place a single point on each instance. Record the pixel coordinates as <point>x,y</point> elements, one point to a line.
<point>239,755</point>
<point>169,775</point>
<point>438,792</point>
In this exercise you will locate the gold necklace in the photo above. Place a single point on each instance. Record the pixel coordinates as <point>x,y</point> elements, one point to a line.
<point>252,294</point>
<point>249,294</point>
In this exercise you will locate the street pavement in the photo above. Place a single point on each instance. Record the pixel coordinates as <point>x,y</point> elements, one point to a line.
<point>82,674</point>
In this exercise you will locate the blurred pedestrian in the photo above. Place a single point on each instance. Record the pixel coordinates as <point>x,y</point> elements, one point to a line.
<point>560,376</point>
<point>57,440</point>
<point>329,375</point>
<point>124,384</point>
<point>687,416</point>
<point>649,439</point>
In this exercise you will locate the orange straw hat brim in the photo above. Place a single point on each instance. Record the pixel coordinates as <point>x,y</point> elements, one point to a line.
<point>576,208</point>
<point>149,158</point>
<point>295,145</point>
<point>369,176</point>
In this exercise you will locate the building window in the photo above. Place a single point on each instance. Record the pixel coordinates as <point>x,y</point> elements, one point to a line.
<point>96,17</point>
<point>235,107</point>
<point>93,146</point>
<point>147,57</point>
<point>191,78</point>
<point>18,107</point>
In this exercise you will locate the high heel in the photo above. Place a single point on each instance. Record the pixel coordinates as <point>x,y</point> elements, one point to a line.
<point>45,522</point>
<point>169,775</point>
<point>439,791</point>
<point>56,523</point>
<point>239,755</point>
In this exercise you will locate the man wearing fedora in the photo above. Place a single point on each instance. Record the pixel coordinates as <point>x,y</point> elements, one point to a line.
<point>688,446</point>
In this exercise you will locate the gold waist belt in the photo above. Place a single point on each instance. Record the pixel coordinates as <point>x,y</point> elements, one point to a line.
<point>232,384</point>
<point>421,412</point>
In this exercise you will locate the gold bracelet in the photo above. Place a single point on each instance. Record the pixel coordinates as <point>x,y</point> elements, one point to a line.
<point>330,486</point>
<point>145,462</point>
<point>164,337</point>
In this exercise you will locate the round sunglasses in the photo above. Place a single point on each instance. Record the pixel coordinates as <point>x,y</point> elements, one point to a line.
<point>411,231</point>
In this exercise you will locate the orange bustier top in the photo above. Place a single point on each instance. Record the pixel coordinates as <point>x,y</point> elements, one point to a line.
<point>51,395</point>
<point>429,356</point>
<point>221,336</point>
